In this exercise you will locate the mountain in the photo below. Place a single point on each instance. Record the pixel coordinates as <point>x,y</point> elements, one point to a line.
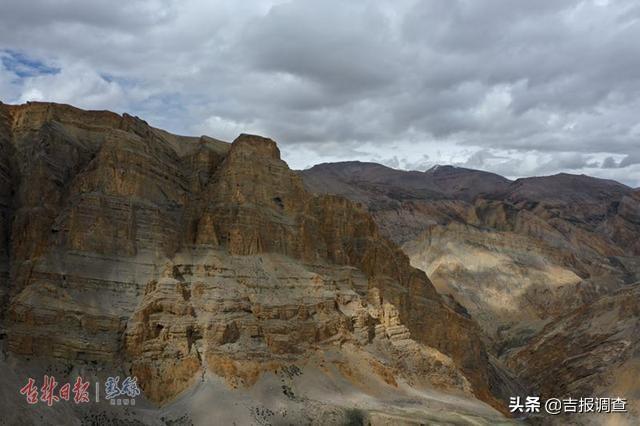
<point>208,271</point>
<point>376,181</point>
<point>395,198</point>
<point>598,345</point>
<point>529,259</point>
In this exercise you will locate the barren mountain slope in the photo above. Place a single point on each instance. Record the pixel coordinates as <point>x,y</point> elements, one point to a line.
<point>600,348</point>
<point>207,270</point>
<point>517,257</point>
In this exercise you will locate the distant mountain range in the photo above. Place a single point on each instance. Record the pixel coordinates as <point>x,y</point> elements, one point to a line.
<point>451,182</point>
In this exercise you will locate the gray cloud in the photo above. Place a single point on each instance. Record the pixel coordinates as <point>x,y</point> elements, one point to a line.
<point>512,87</point>
<point>609,163</point>
<point>630,160</point>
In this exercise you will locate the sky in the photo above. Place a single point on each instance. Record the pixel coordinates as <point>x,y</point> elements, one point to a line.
<point>520,88</point>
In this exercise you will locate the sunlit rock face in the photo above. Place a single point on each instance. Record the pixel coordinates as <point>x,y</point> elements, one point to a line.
<point>537,262</point>
<point>183,259</point>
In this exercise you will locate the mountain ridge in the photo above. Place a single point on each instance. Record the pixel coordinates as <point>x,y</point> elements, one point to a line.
<point>210,265</point>
<point>521,258</point>
<point>557,178</point>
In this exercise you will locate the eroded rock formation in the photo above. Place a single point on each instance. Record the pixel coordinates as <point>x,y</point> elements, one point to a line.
<point>537,262</point>
<point>181,257</point>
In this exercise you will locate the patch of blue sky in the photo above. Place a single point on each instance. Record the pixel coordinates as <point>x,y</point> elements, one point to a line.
<point>122,82</point>
<point>24,66</point>
<point>165,110</point>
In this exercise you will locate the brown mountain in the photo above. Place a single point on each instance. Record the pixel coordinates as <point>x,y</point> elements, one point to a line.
<point>598,345</point>
<point>377,181</point>
<point>210,273</point>
<point>521,257</point>
<point>386,192</point>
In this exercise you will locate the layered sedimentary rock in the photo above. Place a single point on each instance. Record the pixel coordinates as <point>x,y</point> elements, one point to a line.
<point>537,247</point>
<point>190,257</point>
<point>598,344</point>
<point>518,256</point>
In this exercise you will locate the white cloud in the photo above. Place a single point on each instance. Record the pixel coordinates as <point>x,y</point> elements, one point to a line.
<point>225,129</point>
<point>77,85</point>
<point>527,84</point>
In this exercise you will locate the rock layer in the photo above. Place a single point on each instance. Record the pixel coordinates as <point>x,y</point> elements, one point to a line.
<point>536,261</point>
<point>183,256</point>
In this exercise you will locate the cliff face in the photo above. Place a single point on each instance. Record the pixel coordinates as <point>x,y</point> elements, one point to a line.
<point>183,257</point>
<point>537,261</point>
<point>598,345</point>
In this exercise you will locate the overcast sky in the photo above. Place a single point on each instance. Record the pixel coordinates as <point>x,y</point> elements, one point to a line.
<point>515,87</point>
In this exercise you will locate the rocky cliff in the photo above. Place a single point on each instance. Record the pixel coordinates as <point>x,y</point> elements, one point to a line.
<point>536,261</point>
<point>189,261</point>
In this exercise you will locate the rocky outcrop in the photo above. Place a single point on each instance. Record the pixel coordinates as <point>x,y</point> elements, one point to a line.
<point>510,283</point>
<point>240,316</point>
<point>535,261</point>
<point>590,339</point>
<point>185,257</point>
<point>598,345</point>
